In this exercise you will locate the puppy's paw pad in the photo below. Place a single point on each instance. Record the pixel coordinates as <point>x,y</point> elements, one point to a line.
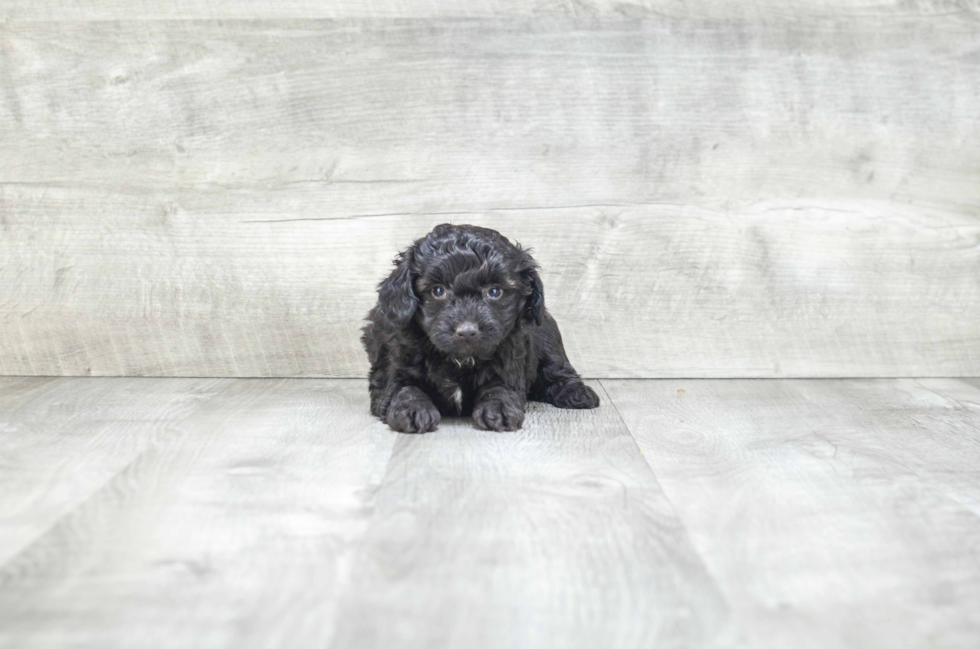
<point>414,418</point>
<point>577,395</point>
<point>498,415</point>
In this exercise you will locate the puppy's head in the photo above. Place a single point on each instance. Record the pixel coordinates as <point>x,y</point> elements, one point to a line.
<point>467,288</point>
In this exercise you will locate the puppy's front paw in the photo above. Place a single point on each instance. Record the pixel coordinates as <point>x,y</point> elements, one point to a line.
<point>498,414</point>
<point>412,413</point>
<point>414,418</point>
<point>577,395</point>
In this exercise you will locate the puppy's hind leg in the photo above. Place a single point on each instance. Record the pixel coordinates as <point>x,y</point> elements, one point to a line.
<point>562,387</point>
<point>557,382</point>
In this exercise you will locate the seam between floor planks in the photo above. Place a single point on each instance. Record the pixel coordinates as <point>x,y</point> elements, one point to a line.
<point>151,446</point>
<point>910,491</point>
<point>606,399</point>
<point>330,474</point>
<point>144,434</point>
<point>406,485</point>
<point>451,560</point>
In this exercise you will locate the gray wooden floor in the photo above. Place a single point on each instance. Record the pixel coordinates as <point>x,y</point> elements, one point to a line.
<point>684,513</point>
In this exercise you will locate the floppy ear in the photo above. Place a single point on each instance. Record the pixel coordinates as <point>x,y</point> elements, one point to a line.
<point>396,297</point>
<point>534,306</point>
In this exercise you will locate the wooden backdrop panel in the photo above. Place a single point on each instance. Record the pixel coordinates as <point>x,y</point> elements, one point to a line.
<point>708,197</point>
<point>416,116</point>
<point>188,285</point>
<point>42,10</point>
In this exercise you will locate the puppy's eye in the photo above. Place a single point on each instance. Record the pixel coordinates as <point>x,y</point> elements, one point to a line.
<point>494,293</point>
<point>438,292</point>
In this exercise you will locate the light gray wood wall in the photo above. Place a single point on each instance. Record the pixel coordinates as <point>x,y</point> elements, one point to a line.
<point>776,190</point>
<point>41,10</point>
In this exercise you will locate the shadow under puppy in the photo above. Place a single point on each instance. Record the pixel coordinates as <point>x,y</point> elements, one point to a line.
<point>460,328</point>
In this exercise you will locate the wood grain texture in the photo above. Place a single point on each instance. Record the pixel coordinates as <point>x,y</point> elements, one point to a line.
<point>556,535</point>
<point>831,513</point>
<point>470,115</point>
<point>19,10</point>
<point>259,513</point>
<point>236,531</point>
<point>61,440</point>
<point>197,285</point>
<point>709,197</point>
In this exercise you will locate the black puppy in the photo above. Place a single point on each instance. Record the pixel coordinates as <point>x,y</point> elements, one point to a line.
<point>460,328</point>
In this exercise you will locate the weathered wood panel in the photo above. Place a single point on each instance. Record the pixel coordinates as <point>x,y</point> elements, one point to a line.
<point>236,530</point>
<point>11,10</point>
<point>831,513</point>
<point>191,284</point>
<point>61,440</point>
<point>469,115</point>
<point>265,513</point>
<point>709,197</point>
<point>556,536</point>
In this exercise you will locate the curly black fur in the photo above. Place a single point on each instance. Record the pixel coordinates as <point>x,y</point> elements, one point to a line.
<point>460,328</point>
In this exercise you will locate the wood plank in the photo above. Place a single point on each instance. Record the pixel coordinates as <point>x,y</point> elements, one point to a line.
<point>225,286</point>
<point>709,198</point>
<point>458,115</point>
<point>831,513</point>
<point>11,10</point>
<point>556,535</point>
<point>237,531</point>
<point>61,440</point>
<point>946,457</point>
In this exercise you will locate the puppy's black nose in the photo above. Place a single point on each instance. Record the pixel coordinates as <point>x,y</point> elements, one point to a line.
<point>467,331</point>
